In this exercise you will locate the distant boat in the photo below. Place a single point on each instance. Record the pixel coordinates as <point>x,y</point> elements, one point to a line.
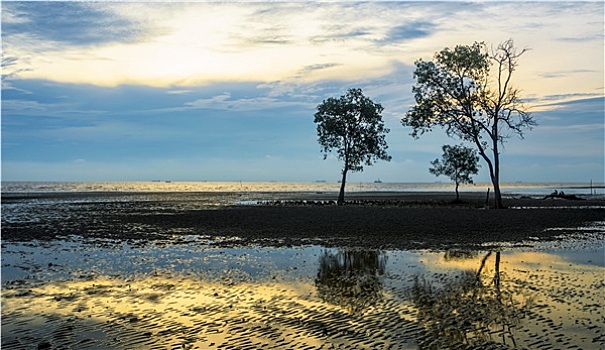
<point>377,181</point>
<point>320,181</point>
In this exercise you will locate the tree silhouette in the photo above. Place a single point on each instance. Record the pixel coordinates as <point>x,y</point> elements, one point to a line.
<point>468,91</point>
<point>459,163</point>
<point>353,127</point>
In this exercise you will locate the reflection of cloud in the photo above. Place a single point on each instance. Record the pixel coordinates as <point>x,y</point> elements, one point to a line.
<point>172,311</point>
<point>514,263</point>
<point>162,306</point>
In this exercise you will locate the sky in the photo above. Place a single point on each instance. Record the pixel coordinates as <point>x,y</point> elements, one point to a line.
<point>226,91</point>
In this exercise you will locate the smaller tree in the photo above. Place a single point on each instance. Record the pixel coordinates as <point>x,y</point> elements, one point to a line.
<point>459,163</point>
<point>353,127</point>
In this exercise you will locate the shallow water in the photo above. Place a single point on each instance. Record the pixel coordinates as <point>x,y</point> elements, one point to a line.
<point>243,187</point>
<point>187,292</point>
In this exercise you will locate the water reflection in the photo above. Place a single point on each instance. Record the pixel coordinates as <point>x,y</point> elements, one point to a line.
<point>473,307</point>
<point>83,294</point>
<point>352,279</point>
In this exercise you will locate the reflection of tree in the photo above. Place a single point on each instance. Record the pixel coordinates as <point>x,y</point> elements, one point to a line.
<point>351,278</point>
<point>456,254</point>
<point>472,308</point>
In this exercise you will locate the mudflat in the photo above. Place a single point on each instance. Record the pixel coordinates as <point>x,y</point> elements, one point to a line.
<point>367,220</point>
<point>199,270</point>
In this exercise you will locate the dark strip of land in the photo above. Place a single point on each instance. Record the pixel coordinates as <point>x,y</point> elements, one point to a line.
<point>378,220</point>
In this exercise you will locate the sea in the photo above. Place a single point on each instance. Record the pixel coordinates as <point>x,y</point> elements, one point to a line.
<point>518,188</point>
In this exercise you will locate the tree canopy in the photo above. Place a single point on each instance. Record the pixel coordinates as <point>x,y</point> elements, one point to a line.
<point>459,163</point>
<point>468,91</point>
<point>352,126</point>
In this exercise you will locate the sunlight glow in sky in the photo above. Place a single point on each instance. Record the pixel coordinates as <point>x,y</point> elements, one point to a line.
<point>227,91</point>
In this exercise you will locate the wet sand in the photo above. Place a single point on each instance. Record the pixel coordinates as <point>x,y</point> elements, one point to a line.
<point>350,299</point>
<point>539,301</point>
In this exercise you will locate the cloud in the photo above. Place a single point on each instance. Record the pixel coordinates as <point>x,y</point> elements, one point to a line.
<point>582,39</point>
<point>226,102</point>
<point>178,92</point>
<point>71,23</point>
<point>549,102</point>
<point>315,67</point>
<point>574,103</point>
<point>341,33</point>
<point>192,43</point>
<point>179,45</point>
<point>558,74</point>
<point>409,31</point>
<point>567,129</point>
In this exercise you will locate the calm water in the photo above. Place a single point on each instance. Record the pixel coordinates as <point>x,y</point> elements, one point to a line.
<point>239,187</point>
<point>186,292</point>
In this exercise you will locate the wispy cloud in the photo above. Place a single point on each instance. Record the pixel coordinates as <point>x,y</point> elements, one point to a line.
<point>197,43</point>
<point>178,92</point>
<point>410,31</point>
<point>227,103</point>
<point>189,44</point>
<point>559,74</point>
<point>63,110</point>
<point>571,102</point>
<point>70,23</point>
<point>581,39</point>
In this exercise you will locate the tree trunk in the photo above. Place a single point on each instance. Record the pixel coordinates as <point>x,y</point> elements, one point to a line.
<point>496,174</point>
<point>494,170</point>
<point>497,193</point>
<point>457,194</point>
<point>341,195</point>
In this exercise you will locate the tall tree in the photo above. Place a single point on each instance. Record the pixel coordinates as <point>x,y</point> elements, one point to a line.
<point>459,163</point>
<point>352,126</point>
<point>468,91</point>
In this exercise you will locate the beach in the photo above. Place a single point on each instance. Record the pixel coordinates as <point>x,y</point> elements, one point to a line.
<point>293,270</point>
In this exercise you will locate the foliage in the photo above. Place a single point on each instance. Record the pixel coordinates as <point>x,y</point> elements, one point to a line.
<point>468,91</point>
<point>352,126</point>
<point>459,163</point>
